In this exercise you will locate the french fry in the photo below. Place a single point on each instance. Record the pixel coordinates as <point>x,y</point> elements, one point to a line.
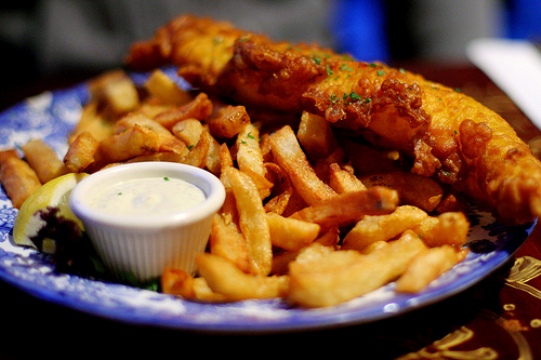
<point>17,177</point>
<point>93,122</point>
<point>225,278</point>
<point>294,204</point>
<point>450,228</point>
<point>82,153</point>
<point>324,243</point>
<point>329,238</point>
<point>375,228</point>
<point>228,121</point>
<point>161,86</point>
<point>282,189</point>
<point>212,161</point>
<point>322,166</point>
<point>115,92</point>
<point>197,155</point>
<point>151,108</point>
<point>44,160</point>
<point>412,188</point>
<point>289,233</point>
<point>226,160</point>
<point>227,241</point>
<point>166,140</point>
<point>289,155</point>
<point>314,253</point>
<point>427,266</point>
<point>250,158</point>
<point>348,208</point>
<point>252,220</point>
<point>315,136</point>
<point>189,131</point>
<point>178,282</point>
<point>374,246</point>
<point>342,180</point>
<point>342,275</point>
<point>199,108</point>
<point>266,147</point>
<point>135,141</point>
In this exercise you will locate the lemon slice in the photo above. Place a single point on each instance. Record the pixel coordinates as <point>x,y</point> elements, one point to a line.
<point>53,193</point>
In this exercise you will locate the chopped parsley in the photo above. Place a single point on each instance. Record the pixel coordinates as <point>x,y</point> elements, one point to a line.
<point>345,67</point>
<point>328,69</point>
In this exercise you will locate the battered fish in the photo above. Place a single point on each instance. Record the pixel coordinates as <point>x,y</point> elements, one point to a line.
<point>448,135</point>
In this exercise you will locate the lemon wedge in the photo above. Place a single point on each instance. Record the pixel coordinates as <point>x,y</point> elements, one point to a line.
<point>54,193</point>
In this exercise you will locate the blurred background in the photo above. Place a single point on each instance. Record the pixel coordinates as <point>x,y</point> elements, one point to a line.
<point>40,39</point>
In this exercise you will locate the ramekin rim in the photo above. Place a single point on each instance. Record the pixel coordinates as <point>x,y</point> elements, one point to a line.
<point>212,203</point>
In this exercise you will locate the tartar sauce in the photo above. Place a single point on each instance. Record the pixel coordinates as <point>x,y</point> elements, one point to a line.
<point>147,196</point>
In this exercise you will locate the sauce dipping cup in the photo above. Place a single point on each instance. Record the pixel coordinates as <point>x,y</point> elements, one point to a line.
<point>152,229</point>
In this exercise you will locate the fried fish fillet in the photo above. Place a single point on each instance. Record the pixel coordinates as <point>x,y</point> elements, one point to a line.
<point>448,135</point>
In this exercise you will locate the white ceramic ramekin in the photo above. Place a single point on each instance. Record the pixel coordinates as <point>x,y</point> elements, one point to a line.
<point>143,246</point>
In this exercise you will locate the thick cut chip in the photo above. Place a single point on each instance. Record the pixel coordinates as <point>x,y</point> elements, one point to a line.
<point>291,234</point>
<point>428,266</point>
<point>44,160</point>
<point>189,131</point>
<point>315,136</point>
<point>178,282</point>
<point>252,220</point>
<point>450,228</point>
<point>225,278</point>
<point>342,275</point>
<point>348,208</point>
<point>161,86</point>
<point>115,92</point>
<point>282,189</point>
<point>197,155</point>
<point>199,108</point>
<point>17,177</point>
<point>82,152</point>
<point>375,228</point>
<point>227,241</point>
<point>343,180</point>
<point>135,141</point>
<point>289,155</point>
<point>93,122</point>
<point>250,158</point>
<point>228,121</point>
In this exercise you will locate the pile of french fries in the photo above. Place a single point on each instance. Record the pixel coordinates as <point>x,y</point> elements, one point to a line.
<point>311,215</point>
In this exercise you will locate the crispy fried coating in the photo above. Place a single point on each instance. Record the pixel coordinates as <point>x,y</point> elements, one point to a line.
<point>448,135</point>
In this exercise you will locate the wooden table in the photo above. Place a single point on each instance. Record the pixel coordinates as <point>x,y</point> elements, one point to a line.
<point>500,317</point>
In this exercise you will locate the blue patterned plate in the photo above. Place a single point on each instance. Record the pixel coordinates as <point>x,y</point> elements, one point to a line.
<point>52,115</point>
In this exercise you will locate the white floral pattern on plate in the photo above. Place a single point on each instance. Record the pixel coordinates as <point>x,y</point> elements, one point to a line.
<point>52,115</point>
